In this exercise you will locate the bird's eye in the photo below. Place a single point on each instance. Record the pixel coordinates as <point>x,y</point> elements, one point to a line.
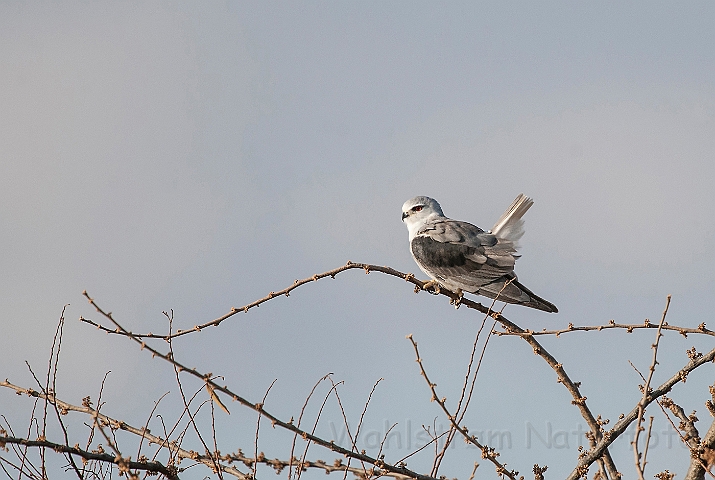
<point>417,208</point>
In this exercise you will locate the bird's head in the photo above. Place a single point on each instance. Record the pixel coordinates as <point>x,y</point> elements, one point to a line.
<point>416,211</point>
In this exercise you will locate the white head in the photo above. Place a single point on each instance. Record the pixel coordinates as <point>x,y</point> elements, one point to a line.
<point>416,211</point>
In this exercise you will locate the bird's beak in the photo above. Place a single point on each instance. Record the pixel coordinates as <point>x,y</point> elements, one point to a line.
<point>404,215</point>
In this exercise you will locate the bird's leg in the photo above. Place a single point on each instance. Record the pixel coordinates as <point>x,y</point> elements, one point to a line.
<point>457,301</point>
<point>433,284</point>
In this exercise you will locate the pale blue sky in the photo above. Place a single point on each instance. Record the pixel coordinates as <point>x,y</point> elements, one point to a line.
<point>197,156</point>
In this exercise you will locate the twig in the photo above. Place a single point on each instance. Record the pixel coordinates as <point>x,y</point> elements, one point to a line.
<point>433,439</point>
<point>640,467</point>
<point>33,420</point>
<point>336,466</point>
<point>461,412</point>
<point>408,277</point>
<point>647,441</point>
<point>667,402</point>
<point>258,423</point>
<point>384,439</point>
<point>20,469</point>
<point>629,327</point>
<point>364,410</point>
<point>300,419</point>
<point>88,401</point>
<point>353,446</point>
<point>359,425</point>
<point>474,470</point>
<point>299,470</point>
<point>487,452</point>
<point>174,446</point>
<point>572,387</point>
<point>146,425</point>
<point>57,340</point>
<point>208,379</point>
<point>539,471</point>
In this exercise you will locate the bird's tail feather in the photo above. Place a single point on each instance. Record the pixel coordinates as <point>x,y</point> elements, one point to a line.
<point>536,301</point>
<point>515,292</point>
<point>511,226</point>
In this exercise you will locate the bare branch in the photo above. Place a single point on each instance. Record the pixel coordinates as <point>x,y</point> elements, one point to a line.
<point>579,400</point>
<point>300,419</point>
<point>640,466</point>
<point>124,464</point>
<point>286,291</point>
<point>629,327</point>
<point>700,458</point>
<point>487,452</point>
<point>120,425</point>
<point>611,435</point>
<point>647,441</point>
<point>258,423</point>
<point>168,357</point>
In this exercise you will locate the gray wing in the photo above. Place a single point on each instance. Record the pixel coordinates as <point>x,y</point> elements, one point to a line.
<point>462,255</point>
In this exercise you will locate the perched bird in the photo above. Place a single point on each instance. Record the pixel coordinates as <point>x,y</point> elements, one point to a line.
<point>463,257</point>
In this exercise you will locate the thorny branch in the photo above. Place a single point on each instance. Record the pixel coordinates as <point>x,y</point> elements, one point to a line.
<point>300,419</point>
<point>52,373</point>
<point>641,463</point>
<point>114,424</point>
<point>629,327</point>
<point>124,464</point>
<point>600,439</point>
<point>487,452</point>
<point>457,300</point>
<point>461,412</point>
<point>359,425</point>
<point>277,464</point>
<point>187,410</point>
<point>611,435</point>
<point>702,456</point>
<point>286,291</point>
<point>579,400</point>
<point>257,407</point>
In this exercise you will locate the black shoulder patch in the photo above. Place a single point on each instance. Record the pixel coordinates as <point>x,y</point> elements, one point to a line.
<point>436,254</point>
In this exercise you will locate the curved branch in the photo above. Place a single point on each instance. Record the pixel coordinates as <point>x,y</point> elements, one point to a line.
<point>124,464</point>
<point>257,407</point>
<point>457,300</point>
<point>286,291</point>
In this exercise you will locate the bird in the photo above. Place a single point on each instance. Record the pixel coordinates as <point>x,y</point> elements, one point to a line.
<point>464,258</point>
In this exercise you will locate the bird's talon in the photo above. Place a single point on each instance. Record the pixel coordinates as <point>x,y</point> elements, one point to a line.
<point>432,284</point>
<point>458,301</point>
